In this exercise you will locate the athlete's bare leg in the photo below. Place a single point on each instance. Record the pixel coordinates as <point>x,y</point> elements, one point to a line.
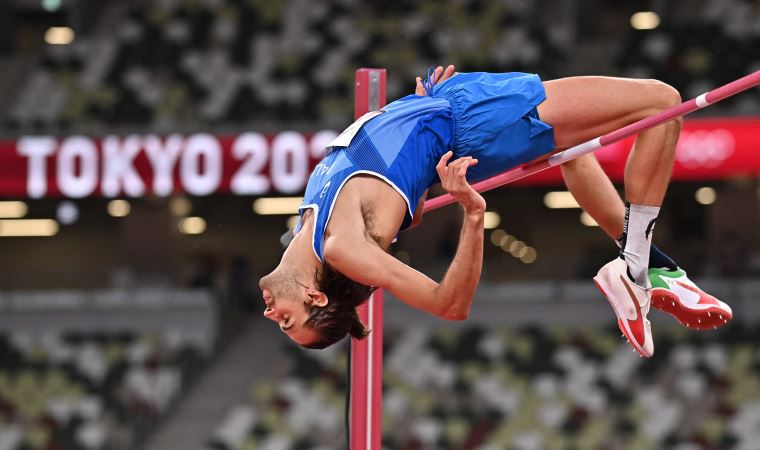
<point>582,108</point>
<point>595,193</point>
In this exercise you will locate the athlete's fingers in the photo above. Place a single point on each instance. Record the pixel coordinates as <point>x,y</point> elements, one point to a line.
<point>455,172</point>
<point>449,174</point>
<point>441,166</point>
<point>454,181</point>
<point>463,171</point>
<point>445,159</point>
<point>463,160</point>
<point>448,72</point>
<point>439,74</point>
<point>470,163</point>
<point>454,166</point>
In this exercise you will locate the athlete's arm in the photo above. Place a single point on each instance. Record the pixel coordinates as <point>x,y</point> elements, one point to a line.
<point>365,262</point>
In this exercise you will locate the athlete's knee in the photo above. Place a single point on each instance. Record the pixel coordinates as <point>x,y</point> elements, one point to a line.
<point>663,95</point>
<point>657,96</point>
<point>670,97</point>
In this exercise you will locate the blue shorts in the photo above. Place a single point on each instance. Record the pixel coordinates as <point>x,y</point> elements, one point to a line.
<point>496,121</point>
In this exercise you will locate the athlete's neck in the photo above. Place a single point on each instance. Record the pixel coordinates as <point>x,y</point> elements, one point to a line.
<point>299,254</point>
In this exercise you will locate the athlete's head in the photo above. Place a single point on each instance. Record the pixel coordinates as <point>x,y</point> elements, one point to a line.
<point>317,311</point>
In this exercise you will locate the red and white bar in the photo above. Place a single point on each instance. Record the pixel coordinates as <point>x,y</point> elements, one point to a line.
<point>366,407</point>
<point>675,112</point>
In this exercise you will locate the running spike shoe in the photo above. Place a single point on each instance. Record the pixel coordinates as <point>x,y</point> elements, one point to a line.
<point>631,305</point>
<point>674,293</point>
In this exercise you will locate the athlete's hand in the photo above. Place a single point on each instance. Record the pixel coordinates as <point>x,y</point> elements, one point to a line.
<point>441,75</point>
<point>454,182</point>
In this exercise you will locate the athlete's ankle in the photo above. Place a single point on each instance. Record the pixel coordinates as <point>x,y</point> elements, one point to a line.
<point>658,259</point>
<point>637,240</point>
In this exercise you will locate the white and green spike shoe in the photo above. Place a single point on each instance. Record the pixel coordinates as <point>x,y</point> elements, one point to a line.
<point>674,293</point>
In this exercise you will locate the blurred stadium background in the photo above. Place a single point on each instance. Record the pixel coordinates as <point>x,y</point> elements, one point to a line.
<point>129,308</point>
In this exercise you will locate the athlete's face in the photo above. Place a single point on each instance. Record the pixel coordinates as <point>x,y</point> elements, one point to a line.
<point>286,299</point>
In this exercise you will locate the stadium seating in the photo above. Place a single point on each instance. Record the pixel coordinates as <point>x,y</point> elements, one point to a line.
<point>90,391</point>
<point>190,63</point>
<point>197,63</point>
<point>523,389</point>
<point>713,48</point>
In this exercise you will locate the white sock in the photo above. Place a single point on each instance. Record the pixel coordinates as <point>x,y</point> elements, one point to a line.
<point>637,240</point>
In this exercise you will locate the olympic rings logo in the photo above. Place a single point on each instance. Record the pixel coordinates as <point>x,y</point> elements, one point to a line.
<point>705,148</point>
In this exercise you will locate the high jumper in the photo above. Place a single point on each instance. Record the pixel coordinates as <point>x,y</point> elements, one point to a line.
<point>463,128</point>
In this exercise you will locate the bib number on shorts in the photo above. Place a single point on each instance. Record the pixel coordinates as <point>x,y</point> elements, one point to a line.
<point>344,139</point>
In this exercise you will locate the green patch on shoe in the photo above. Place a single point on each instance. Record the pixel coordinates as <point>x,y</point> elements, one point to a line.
<point>656,276</point>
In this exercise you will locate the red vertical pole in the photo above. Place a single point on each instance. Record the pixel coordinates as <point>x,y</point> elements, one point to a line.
<point>367,355</point>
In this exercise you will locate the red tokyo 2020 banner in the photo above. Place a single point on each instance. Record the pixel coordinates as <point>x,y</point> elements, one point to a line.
<point>140,165</point>
<point>254,164</point>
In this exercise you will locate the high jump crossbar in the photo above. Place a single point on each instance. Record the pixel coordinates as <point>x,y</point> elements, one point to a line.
<point>365,428</point>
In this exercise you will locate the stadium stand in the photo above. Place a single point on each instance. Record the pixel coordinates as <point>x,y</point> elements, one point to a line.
<point>694,55</point>
<point>89,391</point>
<point>96,370</point>
<point>525,388</point>
<point>229,62</point>
<point>174,64</point>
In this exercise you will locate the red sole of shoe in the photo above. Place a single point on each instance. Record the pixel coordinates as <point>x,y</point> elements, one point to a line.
<point>700,319</point>
<point>622,327</point>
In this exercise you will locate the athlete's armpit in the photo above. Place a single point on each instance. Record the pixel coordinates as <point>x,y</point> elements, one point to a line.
<point>417,219</point>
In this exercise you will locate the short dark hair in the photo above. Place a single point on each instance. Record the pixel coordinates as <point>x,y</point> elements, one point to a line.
<point>338,318</point>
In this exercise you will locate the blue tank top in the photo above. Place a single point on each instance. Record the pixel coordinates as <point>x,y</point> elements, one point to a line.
<point>401,146</point>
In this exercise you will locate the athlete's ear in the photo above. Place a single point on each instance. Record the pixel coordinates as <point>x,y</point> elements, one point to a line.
<point>317,298</point>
